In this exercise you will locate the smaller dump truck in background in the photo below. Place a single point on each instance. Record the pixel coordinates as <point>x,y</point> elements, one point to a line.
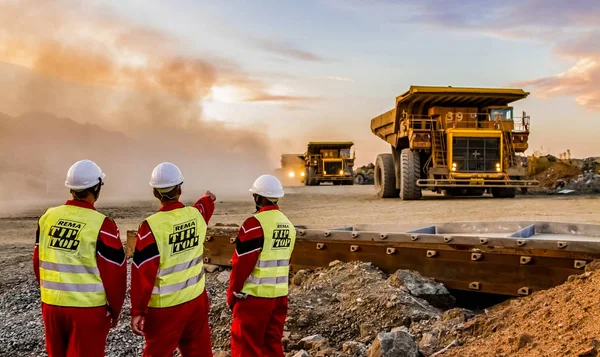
<point>329,162</point>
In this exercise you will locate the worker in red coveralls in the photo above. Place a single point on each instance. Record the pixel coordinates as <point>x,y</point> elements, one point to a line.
<point>79,264</point>
<point>169,303</point>
<point>258,287</point>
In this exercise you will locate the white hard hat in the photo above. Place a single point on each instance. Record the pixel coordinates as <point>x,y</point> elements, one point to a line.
<point>84,174</point>
<point>166,175</point>
<point>267,186</point>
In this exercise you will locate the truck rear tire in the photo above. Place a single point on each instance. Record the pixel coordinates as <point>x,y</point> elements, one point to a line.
<point>312,176</point>
<point>504,192</point>
<point>411,172</point>
<point>385,176</point>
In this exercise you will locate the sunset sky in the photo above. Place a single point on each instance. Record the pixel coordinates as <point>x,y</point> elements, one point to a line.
<point>321,69</point>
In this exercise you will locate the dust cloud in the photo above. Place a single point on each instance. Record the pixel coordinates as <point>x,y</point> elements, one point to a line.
<point>80,82</point>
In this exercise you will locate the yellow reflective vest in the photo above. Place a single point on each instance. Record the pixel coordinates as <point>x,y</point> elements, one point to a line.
<point>69,273</point>
<point>180,236</point>
<point>269,279</point>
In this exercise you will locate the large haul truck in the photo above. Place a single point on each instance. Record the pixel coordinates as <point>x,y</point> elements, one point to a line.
<point>456,141</point>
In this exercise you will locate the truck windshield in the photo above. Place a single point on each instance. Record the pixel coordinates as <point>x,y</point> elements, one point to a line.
<point>345,153</point>
<point>502,114</point>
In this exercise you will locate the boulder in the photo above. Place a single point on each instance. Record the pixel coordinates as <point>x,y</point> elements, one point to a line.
<point>428,344</point>
<point>223,277</point>
<point>427,289</point>
<point>458,315</point>
<point>210,268</point>
<point>300,277</point>
<point>313,342</point>
<point>394,344</point>
<point>354,348</point>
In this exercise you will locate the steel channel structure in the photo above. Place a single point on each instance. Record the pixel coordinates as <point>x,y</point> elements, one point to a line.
<point>508,258</point>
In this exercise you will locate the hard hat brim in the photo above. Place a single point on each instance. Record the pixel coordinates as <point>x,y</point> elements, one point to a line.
<point>277,195</point>
<point>153,185</point>
<point>83,187</point>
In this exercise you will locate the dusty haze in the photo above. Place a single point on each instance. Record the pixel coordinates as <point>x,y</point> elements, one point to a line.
<point>78,84</point>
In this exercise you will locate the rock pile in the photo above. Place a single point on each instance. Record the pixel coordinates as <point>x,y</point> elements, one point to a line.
<point>567,176</point>
<point>345,310</point>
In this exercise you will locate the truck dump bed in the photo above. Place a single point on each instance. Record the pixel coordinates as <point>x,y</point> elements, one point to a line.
<point>418,99</point>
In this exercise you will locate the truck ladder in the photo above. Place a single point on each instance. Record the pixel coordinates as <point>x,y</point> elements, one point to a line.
<point>509,152</point>
<point>438,145</point>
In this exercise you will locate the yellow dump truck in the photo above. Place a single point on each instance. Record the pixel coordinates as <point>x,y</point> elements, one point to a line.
<point>456,141</point>
<point>292,167</point>
<point>329,161</point>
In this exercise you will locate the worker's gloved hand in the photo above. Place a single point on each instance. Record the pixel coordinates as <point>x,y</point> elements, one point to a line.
<point>137,325</point>
<point>211,195</point>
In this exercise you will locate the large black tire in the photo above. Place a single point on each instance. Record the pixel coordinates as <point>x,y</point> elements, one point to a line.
<point>411,172</point>
<point>312,176</point>
<point>385,176</point>
<point>359,179</point>
<point>504,192</point>
<point>306,177</point>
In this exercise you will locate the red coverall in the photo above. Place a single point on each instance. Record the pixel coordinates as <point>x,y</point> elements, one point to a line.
<point>82,331</point>
<point>184,326</point>
<point>257,327</point>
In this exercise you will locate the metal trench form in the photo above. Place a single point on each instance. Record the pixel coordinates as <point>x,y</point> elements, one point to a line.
<point>508,258</point>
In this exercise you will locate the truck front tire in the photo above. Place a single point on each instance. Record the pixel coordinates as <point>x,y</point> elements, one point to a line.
<point>312,176</point>
<point>385,176</point>
<point>411,172</point>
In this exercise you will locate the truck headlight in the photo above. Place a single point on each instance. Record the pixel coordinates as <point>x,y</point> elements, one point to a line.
<point>341,172</point>
<point>454,166</point>
<point>498,169</point>
<point>291,174</point>
<point>302,174</point>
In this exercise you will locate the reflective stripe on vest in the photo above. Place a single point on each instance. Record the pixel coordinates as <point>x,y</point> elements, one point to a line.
<point>69,273</point>
<point>180,236</point>
<point>270,276</point>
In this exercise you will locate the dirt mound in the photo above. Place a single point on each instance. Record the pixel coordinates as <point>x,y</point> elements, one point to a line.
<point>555,172</point>
<point>352,302</point>
<point>562,321</point>
<point>345,304</point>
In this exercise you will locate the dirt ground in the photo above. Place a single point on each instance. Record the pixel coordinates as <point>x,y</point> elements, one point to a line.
<point>323,206</point>
<point>335,205</point>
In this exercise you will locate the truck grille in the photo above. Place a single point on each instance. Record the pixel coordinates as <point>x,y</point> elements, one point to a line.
<point>332,167</point>
<point>475,154</point>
